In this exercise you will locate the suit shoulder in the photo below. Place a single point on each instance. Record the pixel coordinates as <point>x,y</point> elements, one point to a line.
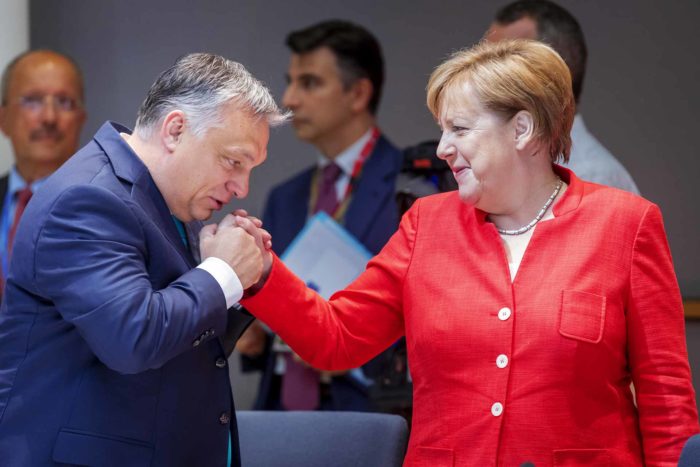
<point>391,152</point>
<point>298,181</point>
<point>612,199</point>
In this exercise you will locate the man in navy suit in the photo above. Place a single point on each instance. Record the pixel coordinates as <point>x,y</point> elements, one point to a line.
<point>118,314</point>
<point>335,80</point>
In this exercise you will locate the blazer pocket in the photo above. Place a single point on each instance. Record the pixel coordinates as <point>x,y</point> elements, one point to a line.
<point>579,457</point>
<point>82,448</point>
<point>582,316</point>
<point>425,456</point>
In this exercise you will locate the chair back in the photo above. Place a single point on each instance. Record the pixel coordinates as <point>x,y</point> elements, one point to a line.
<point>321,439</point>
<point>690,456</point>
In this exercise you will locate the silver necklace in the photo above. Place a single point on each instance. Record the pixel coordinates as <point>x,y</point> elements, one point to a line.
<point>538,217</point>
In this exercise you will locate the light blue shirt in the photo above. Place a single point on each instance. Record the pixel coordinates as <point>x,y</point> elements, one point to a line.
<point>590,160</point>
<point>15,183</point>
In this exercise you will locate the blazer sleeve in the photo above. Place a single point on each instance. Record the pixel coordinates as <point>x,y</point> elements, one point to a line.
<point>91,262</point>
<point>356,323</point>
<point>657,349</point>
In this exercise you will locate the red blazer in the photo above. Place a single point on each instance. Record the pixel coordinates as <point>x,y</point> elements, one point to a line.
<point>538,369</point>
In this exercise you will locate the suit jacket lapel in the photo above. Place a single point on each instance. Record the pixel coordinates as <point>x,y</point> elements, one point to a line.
<point>376,183</point>
<point>134,174</point>
<point>192,229</point>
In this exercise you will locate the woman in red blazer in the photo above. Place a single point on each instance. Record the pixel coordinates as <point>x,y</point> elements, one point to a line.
<point>531,301</point>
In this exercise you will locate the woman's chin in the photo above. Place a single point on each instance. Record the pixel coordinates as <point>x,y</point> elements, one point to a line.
<point>469,196</point>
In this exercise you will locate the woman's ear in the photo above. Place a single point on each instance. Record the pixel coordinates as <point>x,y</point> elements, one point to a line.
<point>524,126</point>
<point>172,129</point>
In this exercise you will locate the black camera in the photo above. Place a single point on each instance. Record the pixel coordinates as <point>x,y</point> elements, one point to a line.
<point>422,174</point>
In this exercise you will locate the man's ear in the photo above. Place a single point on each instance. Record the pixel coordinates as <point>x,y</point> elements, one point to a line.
<point>172,129</point>
<point>524,126</point>
<point>2,119</point>
<point>362,91</point>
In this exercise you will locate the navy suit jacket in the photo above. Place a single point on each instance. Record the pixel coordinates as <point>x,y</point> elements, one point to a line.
<point>372,217</point>
<point>111,341</point>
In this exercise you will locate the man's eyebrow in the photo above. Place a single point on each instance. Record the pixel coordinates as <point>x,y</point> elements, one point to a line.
<point>239,151</point>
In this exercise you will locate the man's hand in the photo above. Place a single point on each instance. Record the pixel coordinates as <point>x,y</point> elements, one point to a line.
<point>253,226</point>
<point>234,245</point>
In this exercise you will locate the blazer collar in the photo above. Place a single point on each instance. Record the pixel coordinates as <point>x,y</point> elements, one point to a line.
<point>130,169</point>
<point>571,198</point>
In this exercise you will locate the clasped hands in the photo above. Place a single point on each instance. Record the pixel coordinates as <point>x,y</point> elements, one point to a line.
<point>240,240</point>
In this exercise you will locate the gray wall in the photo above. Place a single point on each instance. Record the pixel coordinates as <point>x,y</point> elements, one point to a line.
<point>640,96</point>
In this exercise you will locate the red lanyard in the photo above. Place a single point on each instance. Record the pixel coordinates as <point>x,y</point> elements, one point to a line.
<point>360,162</point>
<point>365,152</point>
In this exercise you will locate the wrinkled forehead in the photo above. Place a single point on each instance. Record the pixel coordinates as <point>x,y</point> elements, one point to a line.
<point>45,72</point>
<point>459,96</point>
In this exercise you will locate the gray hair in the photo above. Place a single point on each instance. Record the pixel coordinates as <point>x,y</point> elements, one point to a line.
<point>200,85</point>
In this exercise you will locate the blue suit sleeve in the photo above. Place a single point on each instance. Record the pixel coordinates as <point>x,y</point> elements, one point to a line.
<point>92,262</point>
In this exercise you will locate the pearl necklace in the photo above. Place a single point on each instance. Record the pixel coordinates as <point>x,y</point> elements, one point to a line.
<point>539,215</point>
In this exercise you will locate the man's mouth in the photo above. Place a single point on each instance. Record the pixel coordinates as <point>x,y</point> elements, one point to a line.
<point>44,135</point>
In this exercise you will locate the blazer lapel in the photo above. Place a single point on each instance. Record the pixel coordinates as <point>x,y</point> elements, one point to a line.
<point>134,174</point>
<point>192,229</point>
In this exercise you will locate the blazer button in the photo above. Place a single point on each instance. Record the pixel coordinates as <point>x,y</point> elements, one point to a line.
<point>497,409</point>
<point>224,419</point>
<point>221,362</point>
<point>502,361</point>
<point>504,313</point>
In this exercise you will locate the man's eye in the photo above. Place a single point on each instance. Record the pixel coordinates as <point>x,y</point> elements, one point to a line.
<point>66,103</point>
<point>32,102</point>
<point>459,129</point>
<point>309,83</point>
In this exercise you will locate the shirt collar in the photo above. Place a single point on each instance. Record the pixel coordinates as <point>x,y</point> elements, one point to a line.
<point>346,159</point>
<point>16,183</point>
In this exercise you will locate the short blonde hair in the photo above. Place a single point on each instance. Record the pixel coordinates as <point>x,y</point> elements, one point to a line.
<point>510,76</point>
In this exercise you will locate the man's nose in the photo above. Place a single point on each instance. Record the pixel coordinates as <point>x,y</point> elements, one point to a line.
<point>289,98</point>
<point>238,187</point>
<point>49,111</point>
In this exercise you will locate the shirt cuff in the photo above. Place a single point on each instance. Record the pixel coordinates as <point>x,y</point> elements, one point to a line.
<point>226,277</point>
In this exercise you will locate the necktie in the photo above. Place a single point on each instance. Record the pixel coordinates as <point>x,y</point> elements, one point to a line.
<point>327,197</point>
<point>299,382</point>
<point>23,197</point>
<point>181,230</point>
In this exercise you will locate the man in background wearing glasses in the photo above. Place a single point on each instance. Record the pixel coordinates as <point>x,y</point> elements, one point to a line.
<point>41,113</point>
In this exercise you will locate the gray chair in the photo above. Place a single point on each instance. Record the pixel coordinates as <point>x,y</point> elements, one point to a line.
<point>321,439</point>
<point>690,456</point>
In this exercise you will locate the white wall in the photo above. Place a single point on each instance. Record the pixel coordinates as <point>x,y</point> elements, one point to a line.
<point>14,39</point>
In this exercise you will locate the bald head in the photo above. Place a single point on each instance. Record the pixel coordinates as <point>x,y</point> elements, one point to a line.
<point>42,111</point>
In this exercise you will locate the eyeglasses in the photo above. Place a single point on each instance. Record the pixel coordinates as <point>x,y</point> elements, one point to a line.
<point>35,103</point>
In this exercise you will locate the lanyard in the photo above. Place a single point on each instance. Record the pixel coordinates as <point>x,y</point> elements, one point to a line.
<point>365,152</point>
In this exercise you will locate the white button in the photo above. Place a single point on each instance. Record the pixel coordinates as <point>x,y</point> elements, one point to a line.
<point>501,361</point>
<point>496,409</point>
<point>504,313</point>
